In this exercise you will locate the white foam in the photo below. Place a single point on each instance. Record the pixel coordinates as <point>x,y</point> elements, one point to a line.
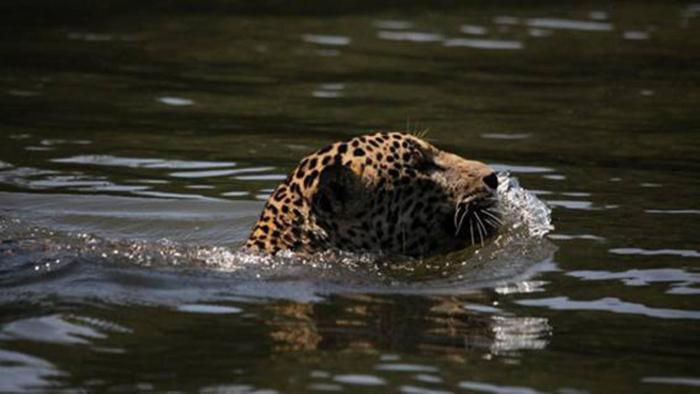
<point>522,209</point>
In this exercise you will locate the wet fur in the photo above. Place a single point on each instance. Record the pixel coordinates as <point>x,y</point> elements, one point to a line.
<point>386,193</point>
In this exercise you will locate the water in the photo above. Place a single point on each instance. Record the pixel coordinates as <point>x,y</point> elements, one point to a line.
<point>139,142</point>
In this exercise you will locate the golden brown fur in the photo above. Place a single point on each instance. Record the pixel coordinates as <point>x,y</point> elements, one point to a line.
<point>389,193</point>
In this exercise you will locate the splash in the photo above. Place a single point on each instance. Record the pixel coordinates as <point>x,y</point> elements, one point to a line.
<point>523,211</point>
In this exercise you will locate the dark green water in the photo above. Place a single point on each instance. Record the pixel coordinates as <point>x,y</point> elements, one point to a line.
<point>138,143</point>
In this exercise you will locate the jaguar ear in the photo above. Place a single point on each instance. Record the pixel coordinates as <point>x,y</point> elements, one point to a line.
<point>338,192</point>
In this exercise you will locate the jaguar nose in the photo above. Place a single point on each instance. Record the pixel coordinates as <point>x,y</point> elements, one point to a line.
<point>491,180</point>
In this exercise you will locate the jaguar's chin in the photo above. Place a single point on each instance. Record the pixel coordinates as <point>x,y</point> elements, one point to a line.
<point>477,219</point>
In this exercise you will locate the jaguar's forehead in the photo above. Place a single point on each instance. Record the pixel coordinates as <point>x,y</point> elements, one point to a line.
<point>381,153</point>
<point>360,145</point>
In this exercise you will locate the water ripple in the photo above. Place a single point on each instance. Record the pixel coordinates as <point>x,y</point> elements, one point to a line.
<point>569,24</point>
<point>135,162</point>
<point>483,43</point>
<point>218,173</point>
<point>262,177</point>
<point>656,252</point>
<point>209,309</point>
<point>393,24</point>
<point>610,304</point>
<point>399,367</point>
<point>569,237</point>
<point>574,204</point>
<point>409,389</point>
<point>473,29</point>
<point>175,101</point>
<point>21,372</point>
<point>413,36</point>
<point>326,39</point>
<point>641,277</point>
<point>520,169</point>
<point>598,15</point>
<point>496,389</point>
<point>53,329</point>
<point>360,380</point>
<point>519,333</point>
<point>673,380</point>
<point>636,35</point>
<point>506,136</point>
<point>674,211</point>
<point>506,20</point>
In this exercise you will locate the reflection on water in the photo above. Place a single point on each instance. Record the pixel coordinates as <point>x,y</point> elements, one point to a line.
<point>445,328</point>
<point>136,149</point>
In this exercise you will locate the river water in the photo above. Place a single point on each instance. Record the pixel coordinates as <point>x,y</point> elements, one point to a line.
<point>138,143</point>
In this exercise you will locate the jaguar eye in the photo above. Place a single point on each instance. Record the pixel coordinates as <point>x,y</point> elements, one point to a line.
<point>427,165</point>
<point>420,160</point>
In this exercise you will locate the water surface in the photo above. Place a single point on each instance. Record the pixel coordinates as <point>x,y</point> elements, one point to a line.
<point>139,142</point>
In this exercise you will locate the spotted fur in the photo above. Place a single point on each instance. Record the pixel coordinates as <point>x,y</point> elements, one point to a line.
<point>388,193</point>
